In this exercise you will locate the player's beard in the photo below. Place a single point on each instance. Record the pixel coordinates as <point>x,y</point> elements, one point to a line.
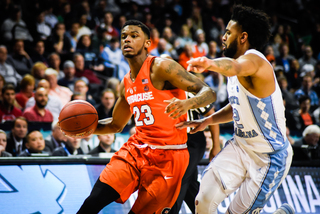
<point>231,50</point>
<point>137,54</point>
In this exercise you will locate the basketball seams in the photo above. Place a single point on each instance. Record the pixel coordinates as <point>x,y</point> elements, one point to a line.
<point>78,115</point>
<point>78,130</point>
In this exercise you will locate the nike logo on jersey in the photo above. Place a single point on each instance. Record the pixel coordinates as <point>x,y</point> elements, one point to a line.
<point>167,177</point>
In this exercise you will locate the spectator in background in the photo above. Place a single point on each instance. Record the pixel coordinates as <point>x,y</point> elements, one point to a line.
<point>38,113</point>
<point>54,104</point>
<point>200,47</point>
<point>114,84</point>
<point>73,34</point>
<point>78,96</point>
<point>154,37</point>
<point>81,71</point>
<point>37,71</point>
<point>58,41</point>
<point>83,29</point>
<point>291,103</point>
<point>307,57</point>
<point>43,29</point>
<point>69,78</point>
<point>307,148</point>
<point>213,53</point>
<point>306,90</point>
<point>109,30</point>
<point>84,47</point>
<point>27,85</point>
<point>72,147</point>
<point>81,87</point>
<point>91,21</point>
<point>105,142</point>
<point>112,57</point>
<point>35,145</point>
<point>8,112</point>
<point>161,48</point>
<point>186,55</point>
<point>3,144</point>
<point>316,115</point>
<point>54,62</point>
<point>169,36</point>
<point>7,29</point>
<point>184,38</point>
<point>50,17</point>
<point>56,139</point>
<point>16,139</point>
<point>8,72</point>
<point>108,100</point>
<point>2,83</point>
<point>62,92</point>
<point>20,59</point>
<point>299,119</point>
<point>285,59</point>
<point>39,54</point>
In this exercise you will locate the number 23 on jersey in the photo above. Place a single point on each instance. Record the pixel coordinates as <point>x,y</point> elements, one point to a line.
<point>145,110</point>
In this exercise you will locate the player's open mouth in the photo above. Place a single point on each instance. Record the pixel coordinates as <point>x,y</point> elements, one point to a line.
<point>127,48</point>
<point>224,46</point>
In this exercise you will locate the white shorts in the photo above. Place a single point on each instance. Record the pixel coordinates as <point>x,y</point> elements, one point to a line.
<point>258,176</point>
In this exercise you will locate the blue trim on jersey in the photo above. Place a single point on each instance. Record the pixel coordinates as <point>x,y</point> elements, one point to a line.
<point>272,180</point>
<point>265,116</point>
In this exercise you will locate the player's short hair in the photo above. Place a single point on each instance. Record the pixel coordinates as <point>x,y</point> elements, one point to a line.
<point>255,23</point>
<point>143,27</point>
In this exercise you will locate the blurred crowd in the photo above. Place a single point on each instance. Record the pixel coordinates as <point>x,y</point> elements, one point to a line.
<point>54,51</point>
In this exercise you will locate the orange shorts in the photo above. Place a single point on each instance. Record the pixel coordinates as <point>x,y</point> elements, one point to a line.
<point>156,173</point>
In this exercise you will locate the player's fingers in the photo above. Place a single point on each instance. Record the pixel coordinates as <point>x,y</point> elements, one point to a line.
<point>190,67</point>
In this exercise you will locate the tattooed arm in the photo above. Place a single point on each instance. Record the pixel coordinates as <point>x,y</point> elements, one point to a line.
<point>168,74</point>
<point>245,65</point>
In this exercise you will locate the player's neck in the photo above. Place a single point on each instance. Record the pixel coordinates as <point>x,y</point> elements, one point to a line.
<point>135,64</point>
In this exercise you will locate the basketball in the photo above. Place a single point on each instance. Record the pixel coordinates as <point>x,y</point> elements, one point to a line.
<point>78,119</point>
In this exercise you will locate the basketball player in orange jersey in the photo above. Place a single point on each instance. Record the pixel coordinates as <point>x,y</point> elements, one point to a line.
<point>152,161</point>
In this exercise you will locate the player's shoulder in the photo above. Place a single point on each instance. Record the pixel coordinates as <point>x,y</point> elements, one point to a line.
<point>160,64</point>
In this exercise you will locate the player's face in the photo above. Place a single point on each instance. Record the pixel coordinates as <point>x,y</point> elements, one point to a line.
<point>133,41</point>
<point>35,142</point>
<point>229,40</point>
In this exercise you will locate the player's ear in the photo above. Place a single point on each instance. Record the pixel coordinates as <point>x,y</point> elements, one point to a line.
<point>147,43</point>
<point>244,37</point>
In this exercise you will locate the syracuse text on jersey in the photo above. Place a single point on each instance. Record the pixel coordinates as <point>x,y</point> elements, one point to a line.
<point>140,97</point>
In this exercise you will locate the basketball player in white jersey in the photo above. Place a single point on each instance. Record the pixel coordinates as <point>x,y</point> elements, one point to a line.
<point>258,157</point>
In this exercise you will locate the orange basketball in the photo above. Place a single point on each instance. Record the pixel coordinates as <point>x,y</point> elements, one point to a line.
<point>78,119</point>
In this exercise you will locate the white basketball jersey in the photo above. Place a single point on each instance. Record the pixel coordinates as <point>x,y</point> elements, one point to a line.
<point>259,123</point>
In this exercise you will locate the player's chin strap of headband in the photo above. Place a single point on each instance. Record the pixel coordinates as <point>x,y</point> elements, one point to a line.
<point>179,146</point>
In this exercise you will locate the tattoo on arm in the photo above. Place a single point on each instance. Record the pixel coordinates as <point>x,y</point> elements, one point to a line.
<point>224,65</point>
<point>180,72</point>
<point>199,101</point>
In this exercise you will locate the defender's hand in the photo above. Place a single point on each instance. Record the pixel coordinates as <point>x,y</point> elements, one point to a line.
<point>176,107</point>
<point>197,125</point>
<point>198,65</point>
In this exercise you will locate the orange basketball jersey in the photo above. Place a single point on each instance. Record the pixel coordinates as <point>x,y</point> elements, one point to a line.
<point>153,125</point>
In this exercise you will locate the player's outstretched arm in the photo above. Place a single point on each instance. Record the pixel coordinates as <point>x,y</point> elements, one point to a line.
<point>245,65</point>
<point>120,116</point>
<point>174,74</point>
<point>224,115</point>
